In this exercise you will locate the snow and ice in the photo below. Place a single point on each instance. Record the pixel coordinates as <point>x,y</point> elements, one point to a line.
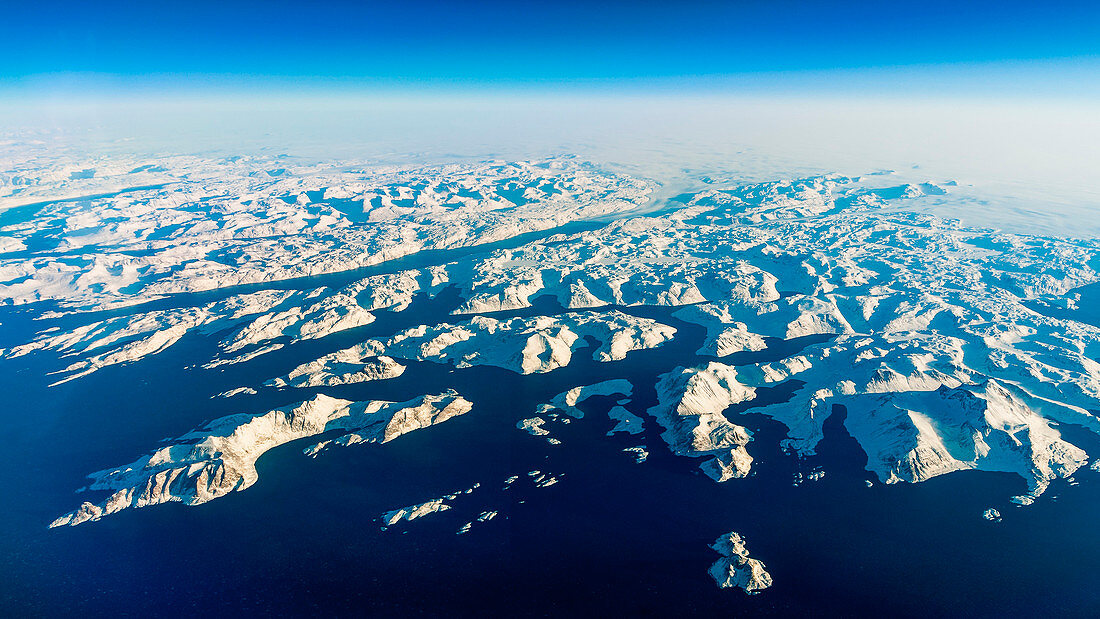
<point>945,347</point>
<point>639,452</point>
<point>736,568</point>
<point>209,463</point>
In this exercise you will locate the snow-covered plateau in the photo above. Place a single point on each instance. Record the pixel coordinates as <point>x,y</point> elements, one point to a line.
<point>946,348</point>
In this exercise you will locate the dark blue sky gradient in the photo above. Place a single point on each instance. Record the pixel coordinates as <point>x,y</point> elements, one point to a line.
<point>424,40</point>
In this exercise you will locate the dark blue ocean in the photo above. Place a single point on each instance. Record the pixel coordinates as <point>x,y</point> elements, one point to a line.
<point>612,537</point>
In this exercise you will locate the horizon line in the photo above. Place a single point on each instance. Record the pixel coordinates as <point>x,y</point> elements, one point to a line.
<point>1070,76</point>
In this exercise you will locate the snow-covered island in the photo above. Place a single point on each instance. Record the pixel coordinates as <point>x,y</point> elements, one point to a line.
<point>736,568</point>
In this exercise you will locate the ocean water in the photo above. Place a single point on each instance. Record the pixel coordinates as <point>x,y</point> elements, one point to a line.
<point>612,536</point>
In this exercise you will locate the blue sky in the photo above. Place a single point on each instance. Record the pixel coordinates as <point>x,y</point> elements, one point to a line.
<point>477,43</point>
